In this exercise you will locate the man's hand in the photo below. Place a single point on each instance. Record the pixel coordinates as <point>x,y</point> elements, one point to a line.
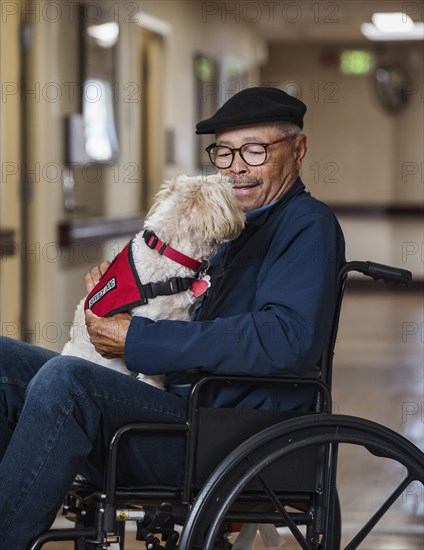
<point>107,334</point>
<point>93,276</point>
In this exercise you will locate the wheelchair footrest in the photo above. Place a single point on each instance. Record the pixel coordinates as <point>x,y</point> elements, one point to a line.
<point>158,522</point>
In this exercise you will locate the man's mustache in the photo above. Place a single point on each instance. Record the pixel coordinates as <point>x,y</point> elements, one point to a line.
<point>246,181</point>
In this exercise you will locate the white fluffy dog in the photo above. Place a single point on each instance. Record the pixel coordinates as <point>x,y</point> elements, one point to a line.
<point>189,219</point>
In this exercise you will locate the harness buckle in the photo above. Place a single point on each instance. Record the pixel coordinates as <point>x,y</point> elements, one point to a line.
<point>150,238</point>
<point>176,285</point>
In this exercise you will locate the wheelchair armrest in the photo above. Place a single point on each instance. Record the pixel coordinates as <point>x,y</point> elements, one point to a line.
<point>312,379</point>
<point>386,273</point>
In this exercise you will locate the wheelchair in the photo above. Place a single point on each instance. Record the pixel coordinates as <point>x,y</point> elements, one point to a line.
<point>247,466</point>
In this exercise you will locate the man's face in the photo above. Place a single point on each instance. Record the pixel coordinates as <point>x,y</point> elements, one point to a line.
<point>257,186</point>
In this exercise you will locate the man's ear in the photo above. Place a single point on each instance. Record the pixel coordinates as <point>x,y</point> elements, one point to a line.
<point>301,146</point>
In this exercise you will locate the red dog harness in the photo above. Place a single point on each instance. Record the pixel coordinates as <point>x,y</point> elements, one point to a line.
<point>120,289</point>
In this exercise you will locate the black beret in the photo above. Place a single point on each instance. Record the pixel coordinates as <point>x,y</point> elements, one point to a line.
<point>252,106</point>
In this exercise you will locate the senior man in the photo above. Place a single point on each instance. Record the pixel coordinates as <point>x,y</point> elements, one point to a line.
<point>268,312</point>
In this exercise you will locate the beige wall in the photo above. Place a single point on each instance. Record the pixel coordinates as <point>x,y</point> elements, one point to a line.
<point>192,32</point>
<point>358,152</point>
<point>347,126</point>
<point>353,134</point>
<point>10,169</point>
<point>56,274</point>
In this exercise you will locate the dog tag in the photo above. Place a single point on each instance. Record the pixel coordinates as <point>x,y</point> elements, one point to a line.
<point>200,286</point>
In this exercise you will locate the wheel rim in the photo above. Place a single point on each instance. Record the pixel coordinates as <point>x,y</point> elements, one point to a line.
<point>210,508</point>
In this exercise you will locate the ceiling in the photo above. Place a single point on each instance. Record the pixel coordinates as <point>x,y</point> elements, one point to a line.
<point>318,21</point>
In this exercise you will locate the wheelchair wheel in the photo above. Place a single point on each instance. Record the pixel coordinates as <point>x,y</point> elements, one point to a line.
<point>250,460</point>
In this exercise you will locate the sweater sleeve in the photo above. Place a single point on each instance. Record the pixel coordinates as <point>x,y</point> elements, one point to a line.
<point>284,332</point>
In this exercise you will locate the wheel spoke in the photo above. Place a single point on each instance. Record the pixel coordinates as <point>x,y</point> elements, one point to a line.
<point>369,526</point>
<point>330,497</point>
<point>290,523</point>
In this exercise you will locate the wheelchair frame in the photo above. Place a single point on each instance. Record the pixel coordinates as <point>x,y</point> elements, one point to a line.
<point>242,486</point>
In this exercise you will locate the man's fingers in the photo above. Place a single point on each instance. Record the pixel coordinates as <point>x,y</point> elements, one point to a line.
<point>108,334</point>
<point>90,317</point>
<point>104,266</point>
<point>94,275</point>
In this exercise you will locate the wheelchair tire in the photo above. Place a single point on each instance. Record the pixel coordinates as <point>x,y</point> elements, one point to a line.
<point>246,462</point>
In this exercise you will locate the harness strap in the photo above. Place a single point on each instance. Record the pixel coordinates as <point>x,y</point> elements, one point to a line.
<point>153,242</point>
<point>120,288</point>
<point>166,288</point>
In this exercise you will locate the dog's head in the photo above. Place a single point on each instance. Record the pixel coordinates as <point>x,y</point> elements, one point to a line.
<point>199,207</point>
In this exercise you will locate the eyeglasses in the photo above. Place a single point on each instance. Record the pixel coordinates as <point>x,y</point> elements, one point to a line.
<point>253,154</point>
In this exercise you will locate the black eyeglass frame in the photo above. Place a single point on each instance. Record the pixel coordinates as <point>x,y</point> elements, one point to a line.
<point>233,150</point>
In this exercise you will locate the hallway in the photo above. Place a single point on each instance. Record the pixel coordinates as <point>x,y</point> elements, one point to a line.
<point>133,78</point>
<point>378,375</point>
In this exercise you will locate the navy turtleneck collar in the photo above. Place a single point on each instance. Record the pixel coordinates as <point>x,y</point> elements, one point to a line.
<point>259,215</point>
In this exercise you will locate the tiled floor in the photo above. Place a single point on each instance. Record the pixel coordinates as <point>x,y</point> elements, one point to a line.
<point>378,375</point>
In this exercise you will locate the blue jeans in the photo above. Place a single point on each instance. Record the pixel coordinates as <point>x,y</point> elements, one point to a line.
<point>57,415</point>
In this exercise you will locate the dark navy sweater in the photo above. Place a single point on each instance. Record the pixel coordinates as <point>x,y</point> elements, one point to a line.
<point>268,313</point>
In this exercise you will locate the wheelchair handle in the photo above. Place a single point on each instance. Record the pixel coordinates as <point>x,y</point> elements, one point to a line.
<point>386,273</point>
